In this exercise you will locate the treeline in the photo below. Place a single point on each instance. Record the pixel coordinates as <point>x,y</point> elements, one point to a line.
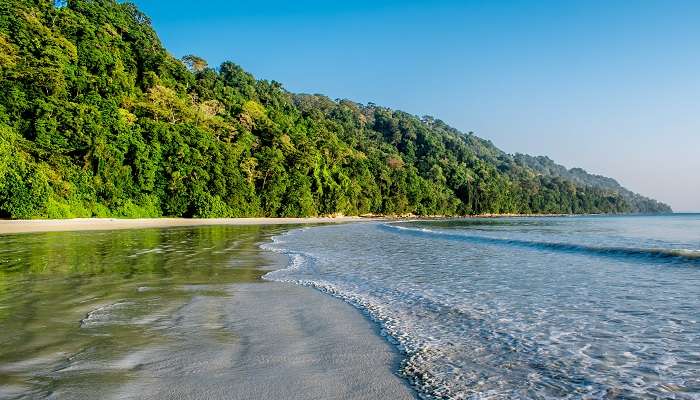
<point>97,119</point>
<point>547,167</point>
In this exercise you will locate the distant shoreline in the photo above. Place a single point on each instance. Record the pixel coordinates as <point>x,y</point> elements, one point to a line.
<point>98,224</point>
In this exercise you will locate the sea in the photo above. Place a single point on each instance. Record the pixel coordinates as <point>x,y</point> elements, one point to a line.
<point>582,307</point>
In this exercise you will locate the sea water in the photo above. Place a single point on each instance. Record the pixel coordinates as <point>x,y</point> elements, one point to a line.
<point>571,307</point>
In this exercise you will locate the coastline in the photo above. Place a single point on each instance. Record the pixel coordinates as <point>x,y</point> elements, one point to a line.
<point>99,224</point>
<point>212,334</point>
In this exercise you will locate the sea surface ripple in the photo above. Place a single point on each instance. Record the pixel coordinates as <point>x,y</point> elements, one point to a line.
<point>541,308</point>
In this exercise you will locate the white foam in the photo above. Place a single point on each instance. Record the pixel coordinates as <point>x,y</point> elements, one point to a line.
<point>478,328</point>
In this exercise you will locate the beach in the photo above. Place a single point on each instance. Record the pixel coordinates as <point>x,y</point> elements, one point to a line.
<point>97,224</point>
<point>178,313</point>
<point>291,343</point>
<point>460,308</point>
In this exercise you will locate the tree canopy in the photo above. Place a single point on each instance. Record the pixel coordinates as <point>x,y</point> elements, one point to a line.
<point>97,119</point>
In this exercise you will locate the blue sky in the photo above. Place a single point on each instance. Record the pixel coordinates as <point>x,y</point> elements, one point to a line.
<point>611,86</point>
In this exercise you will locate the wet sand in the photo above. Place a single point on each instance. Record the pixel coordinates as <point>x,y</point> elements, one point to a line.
<point>286,342</point>
<point>177,314</point>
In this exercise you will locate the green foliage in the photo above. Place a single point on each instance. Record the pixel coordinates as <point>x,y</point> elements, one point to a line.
<point>96,119</point>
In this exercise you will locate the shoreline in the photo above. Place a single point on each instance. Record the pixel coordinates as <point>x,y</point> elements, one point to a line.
<point>291,342</point>
<point>214,336</point>
<point>8,227</point>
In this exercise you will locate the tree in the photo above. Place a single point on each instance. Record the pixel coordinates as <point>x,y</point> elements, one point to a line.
<point>194,63</point>
<point>97,119</point>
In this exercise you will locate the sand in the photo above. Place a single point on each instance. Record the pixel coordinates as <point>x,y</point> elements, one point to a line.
<point>262,340</point>
<point>96,224</point>
<point>268,341</point>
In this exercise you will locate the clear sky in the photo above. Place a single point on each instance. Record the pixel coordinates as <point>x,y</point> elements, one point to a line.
<point>610,86</point>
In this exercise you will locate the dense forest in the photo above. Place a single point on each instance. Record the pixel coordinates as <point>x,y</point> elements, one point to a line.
<point>547,167</point>
<point>98,119</point>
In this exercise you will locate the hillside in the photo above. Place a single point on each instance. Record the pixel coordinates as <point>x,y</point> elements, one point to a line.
<point>97,119</point>
<point>547,167</point>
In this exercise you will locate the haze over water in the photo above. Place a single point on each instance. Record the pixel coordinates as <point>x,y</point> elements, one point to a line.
<point>580,307</point>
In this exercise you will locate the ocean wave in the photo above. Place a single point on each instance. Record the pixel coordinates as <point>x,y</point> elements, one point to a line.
<point>457,342</point>
<point>428,363</point>
<point>666,255</point>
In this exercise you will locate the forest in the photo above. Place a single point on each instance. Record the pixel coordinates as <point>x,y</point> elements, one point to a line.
<point>98,119</point>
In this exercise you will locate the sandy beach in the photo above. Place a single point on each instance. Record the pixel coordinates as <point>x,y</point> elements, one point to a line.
<point>209,328</point>
<point>291,343</point>
<point>98,224</point>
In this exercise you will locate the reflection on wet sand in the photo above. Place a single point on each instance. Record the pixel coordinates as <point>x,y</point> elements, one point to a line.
<point>75,308</point>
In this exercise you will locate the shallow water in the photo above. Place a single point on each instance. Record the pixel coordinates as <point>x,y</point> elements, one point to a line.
<point>81,313</point>
<point>579,308</point>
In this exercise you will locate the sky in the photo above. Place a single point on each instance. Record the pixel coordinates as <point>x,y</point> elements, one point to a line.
<point>610,86</point>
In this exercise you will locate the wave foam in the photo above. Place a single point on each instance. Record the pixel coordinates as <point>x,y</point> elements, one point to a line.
<point>686,256</point>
